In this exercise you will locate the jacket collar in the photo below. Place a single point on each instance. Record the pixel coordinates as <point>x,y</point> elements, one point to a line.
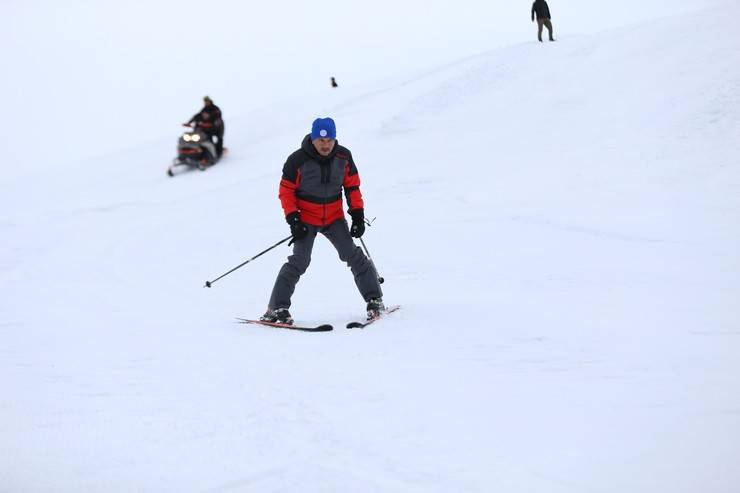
<point>308,148</point>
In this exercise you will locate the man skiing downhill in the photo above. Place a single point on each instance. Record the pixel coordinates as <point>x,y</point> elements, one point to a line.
<point>311,196</point>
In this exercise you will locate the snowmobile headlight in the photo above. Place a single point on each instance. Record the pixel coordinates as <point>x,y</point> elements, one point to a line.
<point>186,137</point>
<point>195,138</point>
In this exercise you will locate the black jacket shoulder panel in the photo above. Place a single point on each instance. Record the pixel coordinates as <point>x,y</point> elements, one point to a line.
<point>344,153</point>
<point>293,164</point>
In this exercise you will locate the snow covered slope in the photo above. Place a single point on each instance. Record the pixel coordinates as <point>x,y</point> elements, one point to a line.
<point>559,222</point>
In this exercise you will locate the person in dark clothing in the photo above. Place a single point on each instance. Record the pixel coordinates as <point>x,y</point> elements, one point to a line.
<point>540,8</point>
<point>210,121</point>
<point>311,196</point>
<point>334,82</point>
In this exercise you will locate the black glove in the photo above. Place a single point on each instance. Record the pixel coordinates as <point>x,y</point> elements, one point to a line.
<point>298,229</point>
<point>358,223</point>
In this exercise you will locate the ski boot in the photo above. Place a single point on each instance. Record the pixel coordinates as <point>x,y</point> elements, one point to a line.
<point>278,315</point>
<point>375,307</point>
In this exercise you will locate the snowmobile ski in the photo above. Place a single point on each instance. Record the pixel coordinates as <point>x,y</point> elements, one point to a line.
<point>318,328</point>
<point>362,325</point>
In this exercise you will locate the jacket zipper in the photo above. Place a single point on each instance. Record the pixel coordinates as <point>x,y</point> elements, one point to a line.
<point>324,180</point>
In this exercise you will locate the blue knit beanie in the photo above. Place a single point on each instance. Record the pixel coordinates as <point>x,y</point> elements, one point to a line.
<point>323,128</point>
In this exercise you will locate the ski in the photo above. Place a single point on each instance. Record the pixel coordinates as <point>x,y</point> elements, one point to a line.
<point>318,328</point>
<point>362,325</point>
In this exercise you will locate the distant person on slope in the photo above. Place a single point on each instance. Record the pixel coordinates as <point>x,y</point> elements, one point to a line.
<point>311,197</point>
<point>209,120</point>
<point>540,8</point>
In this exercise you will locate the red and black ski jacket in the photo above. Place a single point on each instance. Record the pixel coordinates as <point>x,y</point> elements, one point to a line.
<point>312,184</point>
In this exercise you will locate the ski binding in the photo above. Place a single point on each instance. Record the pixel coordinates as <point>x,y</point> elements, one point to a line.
<point>362,325</point>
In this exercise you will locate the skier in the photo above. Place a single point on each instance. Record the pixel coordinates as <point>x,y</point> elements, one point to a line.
<point>209,120</point>
<point>334,82</point>
<point>311,197</point>
<point>540,8</point>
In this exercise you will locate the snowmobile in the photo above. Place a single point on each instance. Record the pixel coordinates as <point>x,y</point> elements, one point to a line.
<point>195,149</point>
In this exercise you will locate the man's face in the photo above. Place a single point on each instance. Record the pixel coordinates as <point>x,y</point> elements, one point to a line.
<point>324,146</point>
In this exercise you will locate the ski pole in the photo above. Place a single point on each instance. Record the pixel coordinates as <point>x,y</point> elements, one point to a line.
<point>208,283</point>
<point>380,278</point>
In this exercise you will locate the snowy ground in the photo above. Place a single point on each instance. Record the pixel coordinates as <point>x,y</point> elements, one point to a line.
<point>560,222</point>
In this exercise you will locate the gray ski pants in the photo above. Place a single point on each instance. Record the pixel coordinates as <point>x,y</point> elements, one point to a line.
<point>366,278</point>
